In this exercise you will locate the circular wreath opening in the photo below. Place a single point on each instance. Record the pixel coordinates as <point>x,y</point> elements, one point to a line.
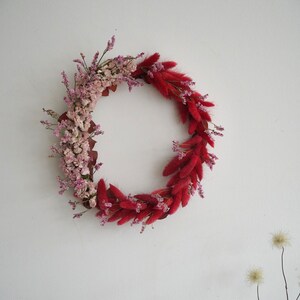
<point>139,127</point>
<point>76,133</point>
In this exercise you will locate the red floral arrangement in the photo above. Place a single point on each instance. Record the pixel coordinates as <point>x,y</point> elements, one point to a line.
<point>76,131</point>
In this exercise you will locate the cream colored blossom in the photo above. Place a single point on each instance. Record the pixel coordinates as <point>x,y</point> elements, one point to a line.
<point>255,276</point>
<point>93,202</point>
<point>280,239</point>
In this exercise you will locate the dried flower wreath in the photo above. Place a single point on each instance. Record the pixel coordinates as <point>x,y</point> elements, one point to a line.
<point>76,130</point>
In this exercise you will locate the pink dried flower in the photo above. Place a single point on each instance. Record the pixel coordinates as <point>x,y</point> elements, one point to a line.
<point>94,61</point>
<point>191,190</point>
<point>176,146</point>
<point>73,204</point>
<point>158,197</point>
<point>97,130</point>
<point>120,60</point>
<point>51,113</point>
<point>201,107</point>
<point>131,82</point>
<point>219,128</point>
<point>98,166</point>
<point>140,55</point>
<point>47,124</point>
<point>138,207</point>
<point>217,133</point>
<point>93,202</point>
<point>79,215</point>
<point>200,189</point>
<point>162,206</point>
<point>187,83</point>
<point>150,74</point>
<point>158,66</point>
<point>110,43</point>
<point>63,185</point>
<point>143,227</point>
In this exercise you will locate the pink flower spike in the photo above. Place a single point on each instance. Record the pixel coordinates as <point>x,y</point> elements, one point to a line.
<point>200,189</point>
<point>73,204</point>
<point>98,166</point>
<point>140,55</point>
<point>110,43</point>
<point>79,215</point>
<point>46,123</point>
<point>219,128</point>
<point>175,146</point>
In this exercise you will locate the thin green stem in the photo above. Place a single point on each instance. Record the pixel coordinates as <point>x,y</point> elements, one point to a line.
<point>283,274</point>
<point>104,52</point>
<point>257,291</point>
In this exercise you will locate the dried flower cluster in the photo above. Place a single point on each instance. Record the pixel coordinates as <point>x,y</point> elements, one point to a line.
<point>255,276</point>
<point>75,128</point>
<point>280,240</point>
<point>76,131</point>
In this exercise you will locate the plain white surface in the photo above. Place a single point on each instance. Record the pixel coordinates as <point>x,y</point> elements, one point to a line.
<point>246,55</point>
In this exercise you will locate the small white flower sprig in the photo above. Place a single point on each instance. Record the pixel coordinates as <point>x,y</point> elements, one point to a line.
<point>255,276</point>
<point>75,128</point>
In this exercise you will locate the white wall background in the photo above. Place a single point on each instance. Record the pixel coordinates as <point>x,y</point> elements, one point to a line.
<point>246,55</point>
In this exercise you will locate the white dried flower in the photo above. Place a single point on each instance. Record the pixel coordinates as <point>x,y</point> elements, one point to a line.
<point>255,276</point>
<point>280,239</point>
<point>93,202</point>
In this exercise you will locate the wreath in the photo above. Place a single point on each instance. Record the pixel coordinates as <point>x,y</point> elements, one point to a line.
<point>76,134</point>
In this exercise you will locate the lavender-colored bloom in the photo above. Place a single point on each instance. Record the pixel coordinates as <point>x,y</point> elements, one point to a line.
<point>158,66</point>
<point>120,60</point>
<point>63,185</point>
<point>219,128</point>
<point>140,55</point>
<point>200,189</point>
<point>98,165</point>
<point>176,146</point>
<point>77,215</point>
<point>46,123</point>
<point>73,204</point>
<point>110,43</point>
<point>150,74</point>
<point>158,197</point>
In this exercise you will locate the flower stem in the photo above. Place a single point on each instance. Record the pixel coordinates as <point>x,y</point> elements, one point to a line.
<point>298,297</point>
<point>257,291</point>
<point>104,52</point>
<point>283,274</point>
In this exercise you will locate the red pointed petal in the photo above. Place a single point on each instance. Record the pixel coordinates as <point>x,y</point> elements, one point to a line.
<point>176,203</point>
<point>189,167</point>
<point>194,111</point>
<point>185,197</point>
<point>117,193</point>
<point>192,126</point>
<point>130,215</point>
<point>183,183</point>
<point>154,217</point>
